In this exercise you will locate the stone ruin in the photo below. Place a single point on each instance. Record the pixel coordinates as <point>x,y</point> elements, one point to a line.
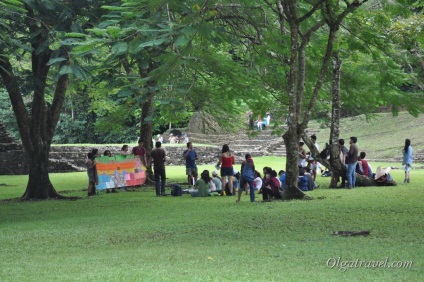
<point>73,158</point>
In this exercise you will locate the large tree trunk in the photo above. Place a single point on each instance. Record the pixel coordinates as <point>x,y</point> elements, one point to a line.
<point>146,130</point>
<point>337,168</point>
<point>37,128</point>
<point>291,141</point>
<point>39,185</point>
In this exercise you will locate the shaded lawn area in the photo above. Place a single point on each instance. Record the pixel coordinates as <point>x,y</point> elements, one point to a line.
<point>134,236</point>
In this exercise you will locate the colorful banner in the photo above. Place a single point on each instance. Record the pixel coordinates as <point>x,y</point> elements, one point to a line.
<point>119,171</point>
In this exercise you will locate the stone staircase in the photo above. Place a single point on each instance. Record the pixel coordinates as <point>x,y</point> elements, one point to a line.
<point>257,143</point>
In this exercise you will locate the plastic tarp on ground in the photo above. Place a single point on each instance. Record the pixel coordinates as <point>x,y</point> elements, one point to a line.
<point>119,171</point>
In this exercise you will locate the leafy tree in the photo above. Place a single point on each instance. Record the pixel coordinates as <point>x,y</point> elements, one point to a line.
<point>35,31</point>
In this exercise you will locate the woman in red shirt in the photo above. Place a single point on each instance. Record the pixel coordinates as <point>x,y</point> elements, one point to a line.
<point>227,161</point>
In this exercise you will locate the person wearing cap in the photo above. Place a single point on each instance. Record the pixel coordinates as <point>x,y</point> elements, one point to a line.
<point>217,181</point>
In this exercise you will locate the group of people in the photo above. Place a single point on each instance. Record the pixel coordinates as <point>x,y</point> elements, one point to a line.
<point>272,185</point>
<point>308,167</point>
<point>138,150</point>
<point>259,123</point>
<point>248,179</point>
<point>175,139</point>
<point>356,163</point>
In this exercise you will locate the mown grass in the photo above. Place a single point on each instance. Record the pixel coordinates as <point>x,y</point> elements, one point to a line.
<point>135,236</point>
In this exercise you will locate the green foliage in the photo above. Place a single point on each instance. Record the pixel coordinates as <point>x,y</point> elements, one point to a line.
<point>6,115</point>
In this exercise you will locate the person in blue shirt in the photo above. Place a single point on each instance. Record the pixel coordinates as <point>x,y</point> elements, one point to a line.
<point>190,157</point>
<point>282,178</point>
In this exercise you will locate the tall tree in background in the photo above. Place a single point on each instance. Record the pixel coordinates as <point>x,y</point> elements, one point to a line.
<point>34,31</point>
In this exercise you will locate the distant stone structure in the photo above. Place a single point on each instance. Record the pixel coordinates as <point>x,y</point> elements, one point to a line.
<point>5,138</point>
<point>12,157</point>
<point>201,122</point>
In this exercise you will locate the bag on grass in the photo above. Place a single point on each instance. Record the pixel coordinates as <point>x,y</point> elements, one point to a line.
<point>176,190</point>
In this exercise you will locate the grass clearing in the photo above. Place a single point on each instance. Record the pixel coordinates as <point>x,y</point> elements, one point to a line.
<point>132,236</point>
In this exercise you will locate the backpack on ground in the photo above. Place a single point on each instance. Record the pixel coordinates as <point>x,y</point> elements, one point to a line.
<point>176,190</point>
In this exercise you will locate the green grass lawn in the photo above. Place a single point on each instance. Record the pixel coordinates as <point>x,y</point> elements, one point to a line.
<point>136,236</point>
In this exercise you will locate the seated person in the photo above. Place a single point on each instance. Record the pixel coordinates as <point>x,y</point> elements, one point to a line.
<point>282,178</point>
<point>202,186</point>
<point>303,181</point>
<point>265,122</point>
<point>186,140</point>
<point>160,138</point>
<point>172,139</point>
<point>271,187</point>
<point>363,167</point>
<point>257,182</point>
<point>259,123</point>
<point>217,181</point>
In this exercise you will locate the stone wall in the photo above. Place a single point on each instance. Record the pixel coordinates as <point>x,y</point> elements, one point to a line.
<point>12,159</point>
<point>73,158</point>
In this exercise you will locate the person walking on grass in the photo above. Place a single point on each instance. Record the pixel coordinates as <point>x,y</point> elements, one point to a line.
<point>158,159</point>
<point>351,160</point>
<point>247,177</point>
<point>407,160</point>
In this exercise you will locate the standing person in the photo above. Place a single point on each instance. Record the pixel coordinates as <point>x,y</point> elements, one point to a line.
<point>158,159</point>
<point>342,154</point>
<point>407,160</point>
<point>351,160</point>
<point>227,171</point>
<point>247,177</point>
<point>302,156</point>
<point>140,151</point>
<point>314,164</point>
<point>91,172</point>
<point>190,157</point>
